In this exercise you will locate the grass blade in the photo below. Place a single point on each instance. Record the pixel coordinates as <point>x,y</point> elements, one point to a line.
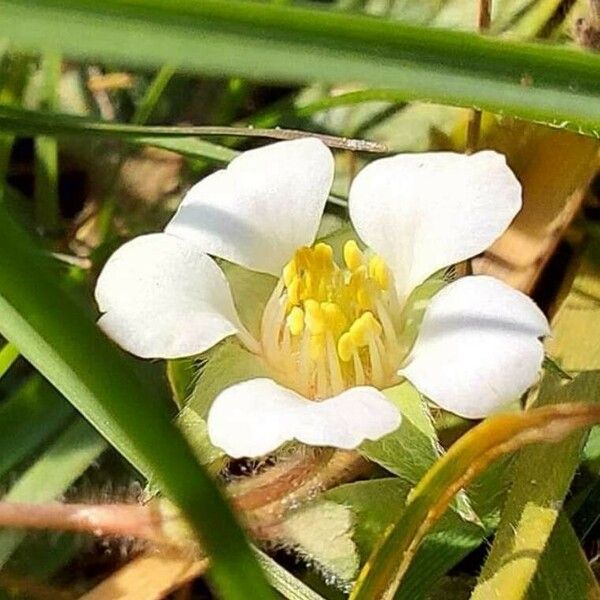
<point>543,83</point>
<point>26,122</point>
<point>65,345</point>
<point>466,459</point>
<point>28,419</point>
<point>8,355</point>
<point>68,457</point>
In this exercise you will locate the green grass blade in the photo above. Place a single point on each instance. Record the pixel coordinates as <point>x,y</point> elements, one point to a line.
<point>66,346</point>
<point>8,355</point>
<point>283,581</point>
<point>29,122</point>
<point>29,418</point>
<point>46,153</point>
<point>52,474</point>
<point>155,90</point>
<point>543,83</point>
<point>468,457</point>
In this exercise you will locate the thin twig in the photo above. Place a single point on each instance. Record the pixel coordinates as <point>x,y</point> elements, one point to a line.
<point>484,18</point>
<point>129,520</point>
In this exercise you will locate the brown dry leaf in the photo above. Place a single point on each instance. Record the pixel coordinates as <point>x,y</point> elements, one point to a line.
<point>149,577</point>
<point>555,168</point>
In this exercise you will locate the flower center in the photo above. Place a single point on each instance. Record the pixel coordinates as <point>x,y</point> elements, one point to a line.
<point>327,328</point>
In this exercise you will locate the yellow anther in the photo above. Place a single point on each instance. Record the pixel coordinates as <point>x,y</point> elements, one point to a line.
<point>295,321</point>
<point>353,257</point>
<point>293,292</point>
<point>345,347</point>
<point>316,347</point>
<point>314,317</point>
<point>335,319</point>
<point>323,254</point>
<point>363,298</point>
<point>378,271</point>
<point>364,329</point>
<point>303,257</point>
<point>290,272</point>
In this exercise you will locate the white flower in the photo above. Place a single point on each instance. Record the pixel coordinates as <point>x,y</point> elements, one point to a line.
<point>331,331</point>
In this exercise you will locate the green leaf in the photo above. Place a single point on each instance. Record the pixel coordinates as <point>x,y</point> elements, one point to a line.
<point>543,83</point>
<point>50,476</point>
<point>576,325</point>
<point>563,572</point>
<point>283,581</point>
<point>227,364</point>
<point>46,153</point>
<point>54,333</point>
<point>409,451</point>
<point>8,355</point>
<point>540,478</point>
<point>373,504</point>
<point>376,504</point>
<point>496,436</point>
<point>195,431</point>
<point>322,533</point>
<point>146,107</point>
<point>31,416</point>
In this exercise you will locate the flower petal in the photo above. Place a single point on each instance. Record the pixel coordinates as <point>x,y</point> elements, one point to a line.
<point>267,203</point>
<point>255,417</point>
<point>423,212</point>
<point>163,298</point>
<point>478,347</point>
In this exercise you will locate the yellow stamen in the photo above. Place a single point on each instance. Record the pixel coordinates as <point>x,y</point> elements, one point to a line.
<point>364,329</point>
<point>334,317</point>
<point>328,327</point>
<point>314,318</point>
<point>317,346</point>
<point>345,347</point>
<point>353,257</point>
<point>323,254</point>
<point>293,292</point>
<point>379,273</point>
<point>295,321</point>
<point>290,272</point>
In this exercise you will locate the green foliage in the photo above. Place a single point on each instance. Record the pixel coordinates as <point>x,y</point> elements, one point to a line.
<point>374,75</point>
<point>110,396</point>
<point>549,84</point>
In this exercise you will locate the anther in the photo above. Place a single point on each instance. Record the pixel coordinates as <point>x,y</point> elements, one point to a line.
<point>290,272</point>
<point>378,272</point>
<point>345,347</point>
<point>314,318</point>
<point>353,257</point>
<point>295,321</point>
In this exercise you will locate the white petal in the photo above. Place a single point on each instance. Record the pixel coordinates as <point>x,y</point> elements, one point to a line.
<point>267,203</point>
<point>423,212</point>
<point>478,347</point>
<point>255,417</point>
<point>162,298</point>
